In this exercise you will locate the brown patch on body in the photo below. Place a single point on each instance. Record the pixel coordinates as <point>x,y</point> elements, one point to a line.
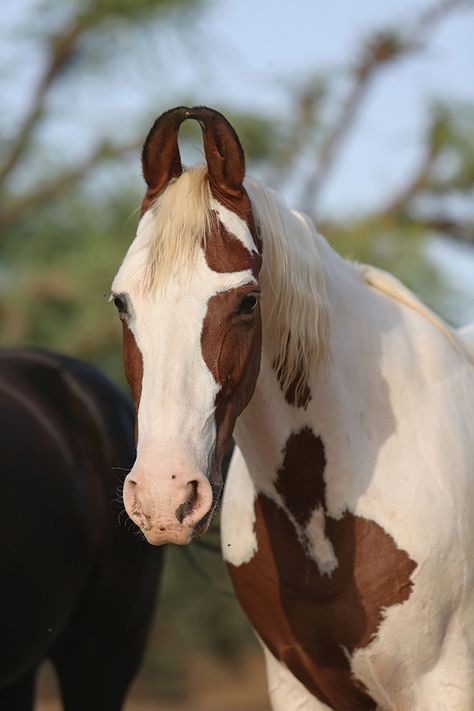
<point>133,365</point>
<point>304,455</point>
<point>309,620</point>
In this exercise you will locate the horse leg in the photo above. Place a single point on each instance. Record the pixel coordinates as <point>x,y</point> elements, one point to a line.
<point>93,673</point>
<point>19,696</point>
<point>285,691</point>
<point>101,648</point>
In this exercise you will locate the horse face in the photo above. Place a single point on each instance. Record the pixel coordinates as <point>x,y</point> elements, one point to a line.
<point>192,355</point>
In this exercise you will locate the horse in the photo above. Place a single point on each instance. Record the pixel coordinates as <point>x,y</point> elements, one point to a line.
<point>347,522</point>
<point>78,587</point>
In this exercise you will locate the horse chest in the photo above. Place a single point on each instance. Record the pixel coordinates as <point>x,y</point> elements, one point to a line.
<point>312,617</point>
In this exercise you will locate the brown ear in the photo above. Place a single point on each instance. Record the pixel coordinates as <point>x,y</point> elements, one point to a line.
<point>224,154</point>
<point>161,161</point>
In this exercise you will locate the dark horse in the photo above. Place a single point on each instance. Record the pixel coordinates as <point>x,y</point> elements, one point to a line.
<point>76,586</point>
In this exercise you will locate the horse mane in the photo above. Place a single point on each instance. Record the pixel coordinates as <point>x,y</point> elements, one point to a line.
<point>294,297</point>
<point>294,300</point>
<point>387,284</point>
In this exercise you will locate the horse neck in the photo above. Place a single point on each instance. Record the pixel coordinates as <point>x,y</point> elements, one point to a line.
<point>263,428</point>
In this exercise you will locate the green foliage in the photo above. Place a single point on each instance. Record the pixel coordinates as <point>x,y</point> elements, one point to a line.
<point>260,135</point>
<point>58,265</point>
<point>451,137</point>
<point>91,13</point>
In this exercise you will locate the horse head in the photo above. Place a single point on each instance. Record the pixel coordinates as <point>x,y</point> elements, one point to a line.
<point>188,296</point>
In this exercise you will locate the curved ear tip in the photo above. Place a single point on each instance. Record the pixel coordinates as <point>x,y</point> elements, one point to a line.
<point>198,112</point>
<point>177,112</point>
<point>192,113</point>
<point>177,109</point>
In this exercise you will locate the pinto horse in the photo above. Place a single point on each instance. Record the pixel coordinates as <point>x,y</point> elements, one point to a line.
<point>347,520</point>
<point>77,586</point>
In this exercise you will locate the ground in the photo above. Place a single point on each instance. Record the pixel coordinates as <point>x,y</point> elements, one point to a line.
<point>210,688</point>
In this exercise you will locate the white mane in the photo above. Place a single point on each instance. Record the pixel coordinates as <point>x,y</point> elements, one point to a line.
<point>294,298</point>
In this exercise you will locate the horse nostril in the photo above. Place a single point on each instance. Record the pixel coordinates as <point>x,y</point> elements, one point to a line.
<point>131,494</point>
<point>184,509</point>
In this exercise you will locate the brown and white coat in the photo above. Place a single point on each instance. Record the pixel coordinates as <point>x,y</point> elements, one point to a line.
<point>346,521</point>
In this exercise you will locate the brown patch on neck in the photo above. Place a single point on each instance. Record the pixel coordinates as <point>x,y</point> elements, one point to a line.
<point>309,619</point>
<point>133,365</point>
<point>225,252</point>
<point>294,395</point>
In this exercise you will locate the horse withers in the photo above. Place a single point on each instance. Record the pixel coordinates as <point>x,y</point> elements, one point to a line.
<point>347,519</point>
<point>77,586</point>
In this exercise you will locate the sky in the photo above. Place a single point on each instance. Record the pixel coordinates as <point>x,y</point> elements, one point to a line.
<point>261,46</point>
<point>247,53</point>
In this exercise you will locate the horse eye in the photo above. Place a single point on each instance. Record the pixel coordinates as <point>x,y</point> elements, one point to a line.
<point>248,305</point>
<point>120,304</point>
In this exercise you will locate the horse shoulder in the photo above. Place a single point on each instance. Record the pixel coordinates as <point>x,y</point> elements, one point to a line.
<point>238,539</point>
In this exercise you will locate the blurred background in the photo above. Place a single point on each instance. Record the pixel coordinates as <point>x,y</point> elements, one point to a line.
<point>359,113</point>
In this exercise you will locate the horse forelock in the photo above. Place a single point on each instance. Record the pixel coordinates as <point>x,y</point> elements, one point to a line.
<point>175,227</point>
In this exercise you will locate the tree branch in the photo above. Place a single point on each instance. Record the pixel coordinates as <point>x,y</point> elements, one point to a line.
<point>19,207</point>
<point>62,48</point>
<point>458,231</point>
<point>418,181</point>
<point>382,49</point>
<point>307,105</point>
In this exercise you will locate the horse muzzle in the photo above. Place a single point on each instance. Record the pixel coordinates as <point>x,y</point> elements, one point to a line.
<point>168,509</point>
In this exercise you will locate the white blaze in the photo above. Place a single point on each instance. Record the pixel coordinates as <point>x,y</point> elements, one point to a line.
<point>176,410</point>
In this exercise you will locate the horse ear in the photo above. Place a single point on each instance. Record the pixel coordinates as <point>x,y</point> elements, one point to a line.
<point>161,160</point>
<point>224,154</point>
